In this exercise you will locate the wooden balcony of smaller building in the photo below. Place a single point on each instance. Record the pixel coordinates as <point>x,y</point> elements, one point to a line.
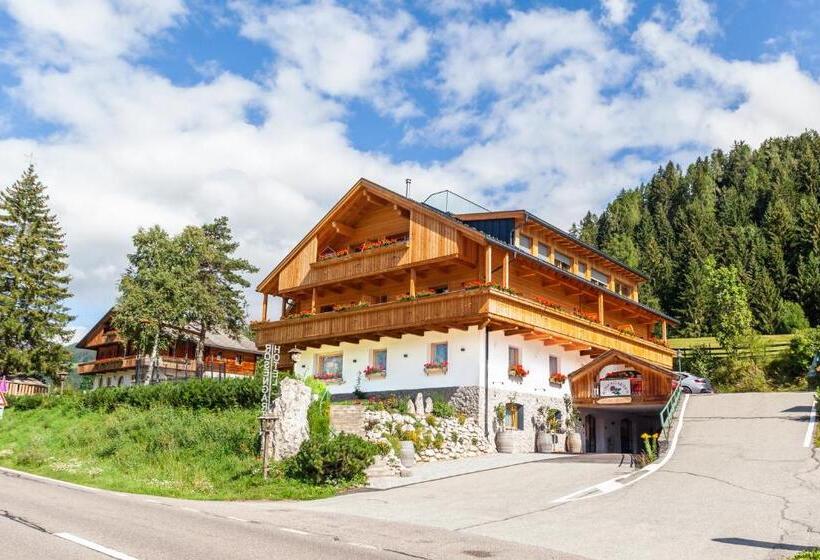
<point>483,306</point>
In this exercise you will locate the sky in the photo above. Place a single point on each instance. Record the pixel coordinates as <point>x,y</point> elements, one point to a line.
<point>143,112</point>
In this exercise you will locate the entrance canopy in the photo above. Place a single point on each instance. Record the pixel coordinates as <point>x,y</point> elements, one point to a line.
<point>619,381</point>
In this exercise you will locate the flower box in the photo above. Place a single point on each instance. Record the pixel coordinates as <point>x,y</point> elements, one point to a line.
<point>372,372</point>
<point>435,368</point>
<point>518,371</point>
<point>329,379</point>
<point>557,378</point>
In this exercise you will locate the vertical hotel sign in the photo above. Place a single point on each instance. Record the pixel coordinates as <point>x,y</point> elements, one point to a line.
<point>270,363</point>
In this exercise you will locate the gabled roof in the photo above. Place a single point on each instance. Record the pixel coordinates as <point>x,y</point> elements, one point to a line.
<point>213,339</point>
<point>617,357</point>
<point>382,192</point>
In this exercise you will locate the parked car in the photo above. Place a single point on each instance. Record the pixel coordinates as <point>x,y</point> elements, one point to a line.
<point>694,384</point>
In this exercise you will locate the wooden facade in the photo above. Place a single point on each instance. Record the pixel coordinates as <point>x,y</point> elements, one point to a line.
<point>379,264</point>
<point>114,355</point>
<point>649,384</point>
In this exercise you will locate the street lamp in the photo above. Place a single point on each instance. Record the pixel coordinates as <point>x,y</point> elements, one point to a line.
<point>61,378</point>
<point>295,355</point>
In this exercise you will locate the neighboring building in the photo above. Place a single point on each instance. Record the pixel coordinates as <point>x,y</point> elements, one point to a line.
<point>117,364</point>
<point>22,385</point>
<point>398,296</point>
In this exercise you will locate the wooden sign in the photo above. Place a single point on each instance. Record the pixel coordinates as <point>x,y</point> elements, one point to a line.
<point>615,400</point>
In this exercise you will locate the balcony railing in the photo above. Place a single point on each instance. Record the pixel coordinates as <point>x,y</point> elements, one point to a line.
<point>458,310</point>
<point>354,265</point>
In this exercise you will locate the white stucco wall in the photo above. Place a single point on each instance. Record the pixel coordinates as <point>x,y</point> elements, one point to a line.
<point>406,358</point>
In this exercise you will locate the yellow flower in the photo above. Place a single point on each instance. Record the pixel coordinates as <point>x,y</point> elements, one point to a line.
<point>644,436</point>
<point>655,436</point>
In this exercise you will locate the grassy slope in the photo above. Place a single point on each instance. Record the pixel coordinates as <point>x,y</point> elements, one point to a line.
<point>162,451</point>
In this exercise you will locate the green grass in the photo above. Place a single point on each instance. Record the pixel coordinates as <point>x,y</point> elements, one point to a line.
<point>162,450</point>
<point>807,555</point>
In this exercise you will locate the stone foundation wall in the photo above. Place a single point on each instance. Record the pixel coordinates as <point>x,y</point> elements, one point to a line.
<point>525,438</point>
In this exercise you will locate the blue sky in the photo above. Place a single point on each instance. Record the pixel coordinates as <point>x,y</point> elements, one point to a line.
<point>140,112</point>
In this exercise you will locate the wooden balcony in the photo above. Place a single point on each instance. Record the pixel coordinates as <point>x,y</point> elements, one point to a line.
<point>356,265</point>
<point>107,364</point>
<point>497,309</point>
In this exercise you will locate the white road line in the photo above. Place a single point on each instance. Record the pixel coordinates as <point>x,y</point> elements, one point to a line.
<point>236,518</point>
<point>295,531</point>
<point>94,546</point>
<point>614,484</point>
<point>807,441</point>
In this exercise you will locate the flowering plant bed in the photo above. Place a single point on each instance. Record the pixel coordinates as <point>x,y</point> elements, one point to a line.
<point>379,243</point>
<point>558,378</point>
<point>435,368</point>
<point>518,371</point>
<point>477,284</point>
<point>419,295</point>
<point>547,303</point>
<point>351,306</point>
<point>627,329</point>
<point>305,315</point>
<point>334,254</point>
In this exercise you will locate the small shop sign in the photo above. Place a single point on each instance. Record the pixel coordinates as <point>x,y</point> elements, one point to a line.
<point>615,388</point>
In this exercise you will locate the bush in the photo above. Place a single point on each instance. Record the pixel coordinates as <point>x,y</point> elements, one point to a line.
<point>332,460</point>
<point>739,375</point>
<point>442,408</point>
<point>204,394</point>
<point>318,417</point>
<point>807,555</point>
<point>792,318</point>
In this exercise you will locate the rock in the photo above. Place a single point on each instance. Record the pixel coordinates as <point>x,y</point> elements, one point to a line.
<point>428,405</point>
<point>411,408</point>
<point>291,427</point>
<point>419,404</point>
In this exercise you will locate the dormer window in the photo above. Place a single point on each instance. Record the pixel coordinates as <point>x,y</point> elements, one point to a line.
<point>623,289</point>
<point>563,261</point>
<point>582,269</point>
<point>525,242</point>
<point>543,251</point>
<point>599,278</point>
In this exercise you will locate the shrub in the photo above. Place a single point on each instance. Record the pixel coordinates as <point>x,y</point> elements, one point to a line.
<point>792,318</point>
<point>442,408</point>
<point>333,460</point>
<point>318,417</point>
<point>807,555</point>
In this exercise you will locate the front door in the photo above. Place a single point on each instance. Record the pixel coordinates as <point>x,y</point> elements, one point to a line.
<point>626,436</point>
<point>589,429</point>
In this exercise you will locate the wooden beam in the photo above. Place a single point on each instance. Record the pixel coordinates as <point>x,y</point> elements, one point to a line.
<point>601,308</point>
<point>505,274</point>
<point>342,229</point>
<point>488,263</point>
<point>412,282</point>
<point>663,330</point>
<point>313,301</point>
<point>265,307</point>
<point>517,330</point>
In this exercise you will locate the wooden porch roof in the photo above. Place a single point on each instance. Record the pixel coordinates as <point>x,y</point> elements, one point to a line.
<point>617,357</point>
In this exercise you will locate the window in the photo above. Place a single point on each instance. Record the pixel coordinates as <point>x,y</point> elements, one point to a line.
<point>382,299</point>
<point>438,352</point>
<point>119,381</point>
<point>554,365</point>
<point>514,357</point>
<point>219,355</point>
<point>108,382</point>
<point>525,242</point>
<point>440,289</point>
<point>329,367</point>
<point>378,360</point>
<point>623,289</point>
<point>543,251</point>
<point>582,269</point>
<point>326,309</point>
<point>514,416</point>
<point>563,261</point>
<point>599,278</point>
<point>238,359</point>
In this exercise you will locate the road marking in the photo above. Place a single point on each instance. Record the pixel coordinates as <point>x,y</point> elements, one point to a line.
<point>94,546</point>
<point>295,531</point>
<point>614,484</point>
<point>807,441</point>
<point>236,518</point>
<point>362,545</point>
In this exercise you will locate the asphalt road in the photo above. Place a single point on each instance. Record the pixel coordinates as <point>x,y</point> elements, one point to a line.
<point>34,512</point>
<point>740,485</point>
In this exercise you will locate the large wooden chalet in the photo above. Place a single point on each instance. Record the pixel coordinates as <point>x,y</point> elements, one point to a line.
<point>117,363</point>
<point>389,295</point>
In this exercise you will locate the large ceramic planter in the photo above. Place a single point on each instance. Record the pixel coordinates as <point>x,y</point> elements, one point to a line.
<point>407,454</point>
<point>505,441</point>
<point>543,442</point>
<point>573,442</point>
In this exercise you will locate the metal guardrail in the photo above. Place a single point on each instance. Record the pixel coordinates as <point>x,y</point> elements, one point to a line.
<point>668,411</point>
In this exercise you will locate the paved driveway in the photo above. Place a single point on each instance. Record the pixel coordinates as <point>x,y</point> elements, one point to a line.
<point>740,485</point>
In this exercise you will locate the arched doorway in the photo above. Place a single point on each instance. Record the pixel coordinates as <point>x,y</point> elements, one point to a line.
<point>626,436</point>
<point>591,435</point>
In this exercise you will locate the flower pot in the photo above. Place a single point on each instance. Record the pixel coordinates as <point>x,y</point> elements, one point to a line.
<point>543,442</point>
<point>505,441</point>
<point>376,375</point>
<point>407,454</point>
<point>435,370</point>
<point>573,442</point>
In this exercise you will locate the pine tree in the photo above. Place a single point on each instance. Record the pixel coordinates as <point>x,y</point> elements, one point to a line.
<point>33,283</point>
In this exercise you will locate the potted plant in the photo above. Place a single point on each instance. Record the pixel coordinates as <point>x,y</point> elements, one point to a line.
<point>573,422</point>
<point>543,440</point>
<point>407,448</point>
<point>375,372</point>
<point>518,371</point>
<point>504,439</point>
<point>328,377</point>
<point>435,368</point>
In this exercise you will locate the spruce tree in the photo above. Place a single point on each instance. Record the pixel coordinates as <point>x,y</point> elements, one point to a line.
<point>33,283</point>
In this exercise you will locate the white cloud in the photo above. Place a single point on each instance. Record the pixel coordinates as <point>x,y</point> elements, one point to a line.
<point>616,12</point>
<point>543,100</point>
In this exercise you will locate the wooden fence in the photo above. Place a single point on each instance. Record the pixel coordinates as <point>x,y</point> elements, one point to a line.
<point>772,345</point>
